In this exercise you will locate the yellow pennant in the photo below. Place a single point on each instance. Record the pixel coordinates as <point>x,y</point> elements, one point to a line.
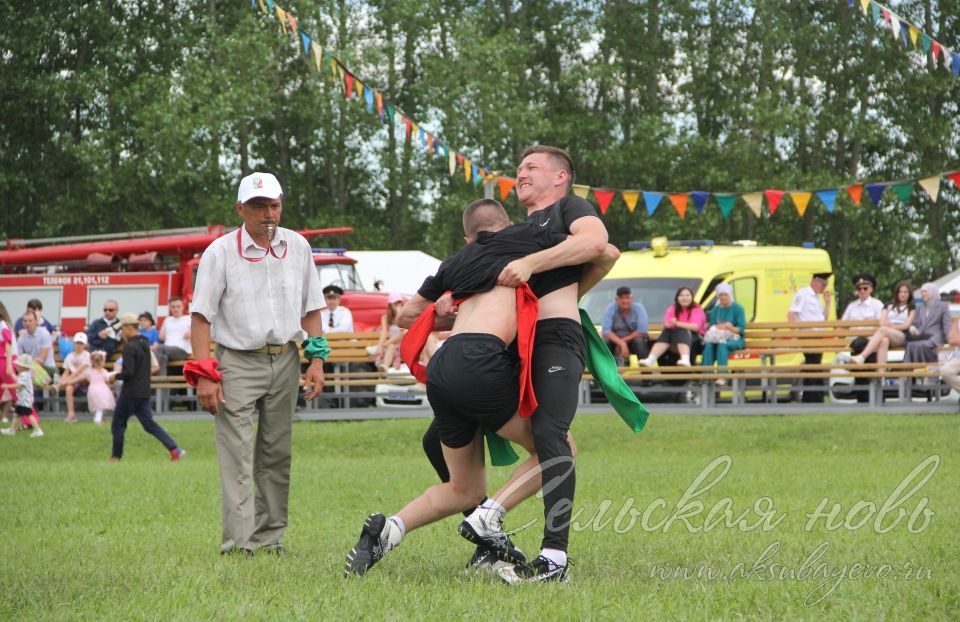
<point>317,54</point>
<point>865,5</point>
<point>359,87</point>
<point>333,66</point>
<point>914,34</point>
<point>581,191</point>
<point>467,169</point>
<point>452,162</point>
<point>282,16</point>
<point>800,201</point>
<point>263,7</point>
<point>932,186</point>
<point>630,198</point>
<point>754,201</point>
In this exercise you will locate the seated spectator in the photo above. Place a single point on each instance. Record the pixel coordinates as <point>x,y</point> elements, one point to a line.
<point>895,321</point>
<point>148,328</point>
<point>36,306</point>
<point>950,371</point>
<point>388,347</point>
<point>728,325</point>
<point>865,307</point>
<point>336,318</point>
<point>683,326</point>
<point>104,333</point>
<point>37,342</point>
<point>930,328</point>
<point>76,374</point>
<point>624,327</point>
<point>174,336</point>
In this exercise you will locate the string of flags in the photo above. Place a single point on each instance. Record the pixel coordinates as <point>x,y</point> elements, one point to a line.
<point>910,35</point>
<point>355,88</point>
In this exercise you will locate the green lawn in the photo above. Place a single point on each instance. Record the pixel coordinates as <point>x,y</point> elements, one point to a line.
<point>87,539</point>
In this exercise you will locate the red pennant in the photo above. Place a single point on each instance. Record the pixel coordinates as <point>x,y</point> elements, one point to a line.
<point>886,15</point>
<point>459,158</point>
<point>349,79</point>
<point>293,23</point>
<point>773,199</point>
<point>679,203</point>
<point>855,192</point>
<point>603,199</point>
<point>506,185</point>
<point>936,52</point>
<point>409,125</point>
<point>955,178</point>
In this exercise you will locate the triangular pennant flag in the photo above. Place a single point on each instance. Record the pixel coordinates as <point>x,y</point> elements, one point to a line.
<point>773,199</point>
<point>603,199</point>
<point>680,203</point>
<point>359,85</point>
<point>936,52</point>
<point>506,185</point>
<point>317,54</point>
<point>430,144</point>
<point>461,159</point>
<point>263,7</point>
<point>477,176</point>
<point>856,193</point>
<point>800,201</point>
<point>925,42</point>
<point>368,96</point>
<point>875,12</point>
<point>932,186</point>
<point>700,199</point>
<point>293,23</point>
<point>378,98</point>
<point>956,63</point>
<point>828,198</point>
<point>270,7</point>
<point>754,201</point>
<point>876,192</point>
<point>305,38</point>
<point>581,190</point>
<point>333,63</point>
<point>903,34</point>
<point>865,5</point>
<point>282,16</point>
<point>348,79</point>
<point>726,202</point>
<point>452,163</point>
<point>914,35</point>
<point>903,191</point>
<point>391,111</point>
<point>421,134</point>
<point>886,14</point>
<point>652,200</point>
<point>955,178</point>
<point>630,198</point>
<point>408,127</point>
<point>467,170</point>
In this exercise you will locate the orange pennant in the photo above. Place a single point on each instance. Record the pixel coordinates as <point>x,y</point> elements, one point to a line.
<point>293,23</point>
<point>379,99</point>
<point>679,203</point>
<point>506,185</point>
<point>856,192</point>
<point>603,199</point>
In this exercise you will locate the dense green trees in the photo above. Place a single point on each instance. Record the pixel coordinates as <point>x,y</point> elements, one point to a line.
<point>138,114</point>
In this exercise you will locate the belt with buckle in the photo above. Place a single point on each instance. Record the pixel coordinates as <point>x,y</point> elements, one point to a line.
<point>271,349</point>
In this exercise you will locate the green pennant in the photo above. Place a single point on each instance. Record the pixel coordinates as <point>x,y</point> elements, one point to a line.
<point>726,202</point>
<point>926,42</point>
<point>875,12</point>
<point>390,112</point>
<point>903,191</point>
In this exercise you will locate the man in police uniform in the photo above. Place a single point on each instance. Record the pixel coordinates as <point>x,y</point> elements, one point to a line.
<point>806,307</point>
<point>336,319</point>
<point>257,293</point>
<point>865,307</point>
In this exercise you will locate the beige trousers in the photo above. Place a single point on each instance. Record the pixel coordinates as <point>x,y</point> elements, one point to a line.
<point>268,384</point>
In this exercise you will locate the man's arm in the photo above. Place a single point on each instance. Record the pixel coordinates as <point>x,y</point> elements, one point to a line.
<point>312,323</point>
<point>586,242</point>
<point>209,393</point>
<point>597,269</point>
<point>411,310</point>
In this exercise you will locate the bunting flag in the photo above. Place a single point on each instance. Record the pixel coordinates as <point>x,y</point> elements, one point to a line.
<point>931,185</point>
<point>348,80</point>
<point>679,202</point>
<point>876,192</point>
<point>726,203</point>
<point>317,54</point>
<point>700,199</point>
<point>581,190</point>
<point>773,199</point>
<point>652,200</point>
<point>305,38</point>
<point>630,198</point>
<point>467,170</point>
<point>955,178</point>
<point>452,163</point>
<point>910,35</point>
<point>828,198</point>
<point>359,86</point>
<point>506,185</point>
<point>754,201</point>
<point>800,201</point>
<point>293,23</point>
<point>903,191</point>
<point>856,193</point>
<point>603,199</point>
<point>368,97</point>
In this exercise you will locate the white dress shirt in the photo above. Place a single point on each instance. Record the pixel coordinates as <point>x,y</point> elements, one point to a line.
<point>342,320</point>
<point>868,309</point>
<point>806,304</point>
<point>250,304</point>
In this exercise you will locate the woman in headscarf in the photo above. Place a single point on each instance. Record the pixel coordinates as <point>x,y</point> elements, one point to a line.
<point>728,324</point>
<point>931,325</point>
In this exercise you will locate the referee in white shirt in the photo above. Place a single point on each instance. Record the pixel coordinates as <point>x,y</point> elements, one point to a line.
<point>806,307</point>
<point>257,292</point>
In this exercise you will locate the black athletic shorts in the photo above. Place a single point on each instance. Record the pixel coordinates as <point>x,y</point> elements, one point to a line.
<point>23,411</point>
<point>472,380</point>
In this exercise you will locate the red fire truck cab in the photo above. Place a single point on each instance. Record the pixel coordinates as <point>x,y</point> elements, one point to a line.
<point>73,277</point>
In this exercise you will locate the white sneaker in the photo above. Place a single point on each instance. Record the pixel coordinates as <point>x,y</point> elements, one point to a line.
<point>842,358</point>
<point>684,362</point>
<point>7,431</point>
<point>37,432</point>
<point>647,362</point>
<point>858,360</point>
<point>485,527</point>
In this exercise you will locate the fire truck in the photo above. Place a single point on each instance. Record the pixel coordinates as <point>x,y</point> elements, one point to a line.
<point>74,276</point>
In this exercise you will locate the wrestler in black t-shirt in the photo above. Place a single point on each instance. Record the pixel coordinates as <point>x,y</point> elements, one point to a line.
<point>558,218</point>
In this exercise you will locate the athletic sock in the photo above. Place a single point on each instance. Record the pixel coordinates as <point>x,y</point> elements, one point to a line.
<point>557,556</point>
<point>491,505</point>
<point>395,530</point>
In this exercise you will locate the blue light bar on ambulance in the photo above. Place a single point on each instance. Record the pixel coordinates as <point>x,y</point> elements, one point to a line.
<point>330,251</point>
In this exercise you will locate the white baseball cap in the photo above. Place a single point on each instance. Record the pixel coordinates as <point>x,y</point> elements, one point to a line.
<point>259,185</point>
<point>80,338</point>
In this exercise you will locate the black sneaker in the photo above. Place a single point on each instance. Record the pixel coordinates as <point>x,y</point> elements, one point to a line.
<point>276,550</point>
<point>485,559</point>
<point>541,569</point>
<point>237,552</point>
<point>485,528</point>
<point>369,549</point>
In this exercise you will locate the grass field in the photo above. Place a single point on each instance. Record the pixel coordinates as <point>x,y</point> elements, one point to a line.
<point>87,539</point>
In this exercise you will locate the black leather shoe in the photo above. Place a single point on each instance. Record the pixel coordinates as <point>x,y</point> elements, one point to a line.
<point>237,552</point>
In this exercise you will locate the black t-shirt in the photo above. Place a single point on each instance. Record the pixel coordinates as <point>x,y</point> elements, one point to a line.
<point>476,267</point>
<point>558,218</point>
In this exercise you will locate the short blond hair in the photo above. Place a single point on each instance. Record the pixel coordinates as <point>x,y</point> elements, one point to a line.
<point>560,157</point>
<point>484,215</point>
